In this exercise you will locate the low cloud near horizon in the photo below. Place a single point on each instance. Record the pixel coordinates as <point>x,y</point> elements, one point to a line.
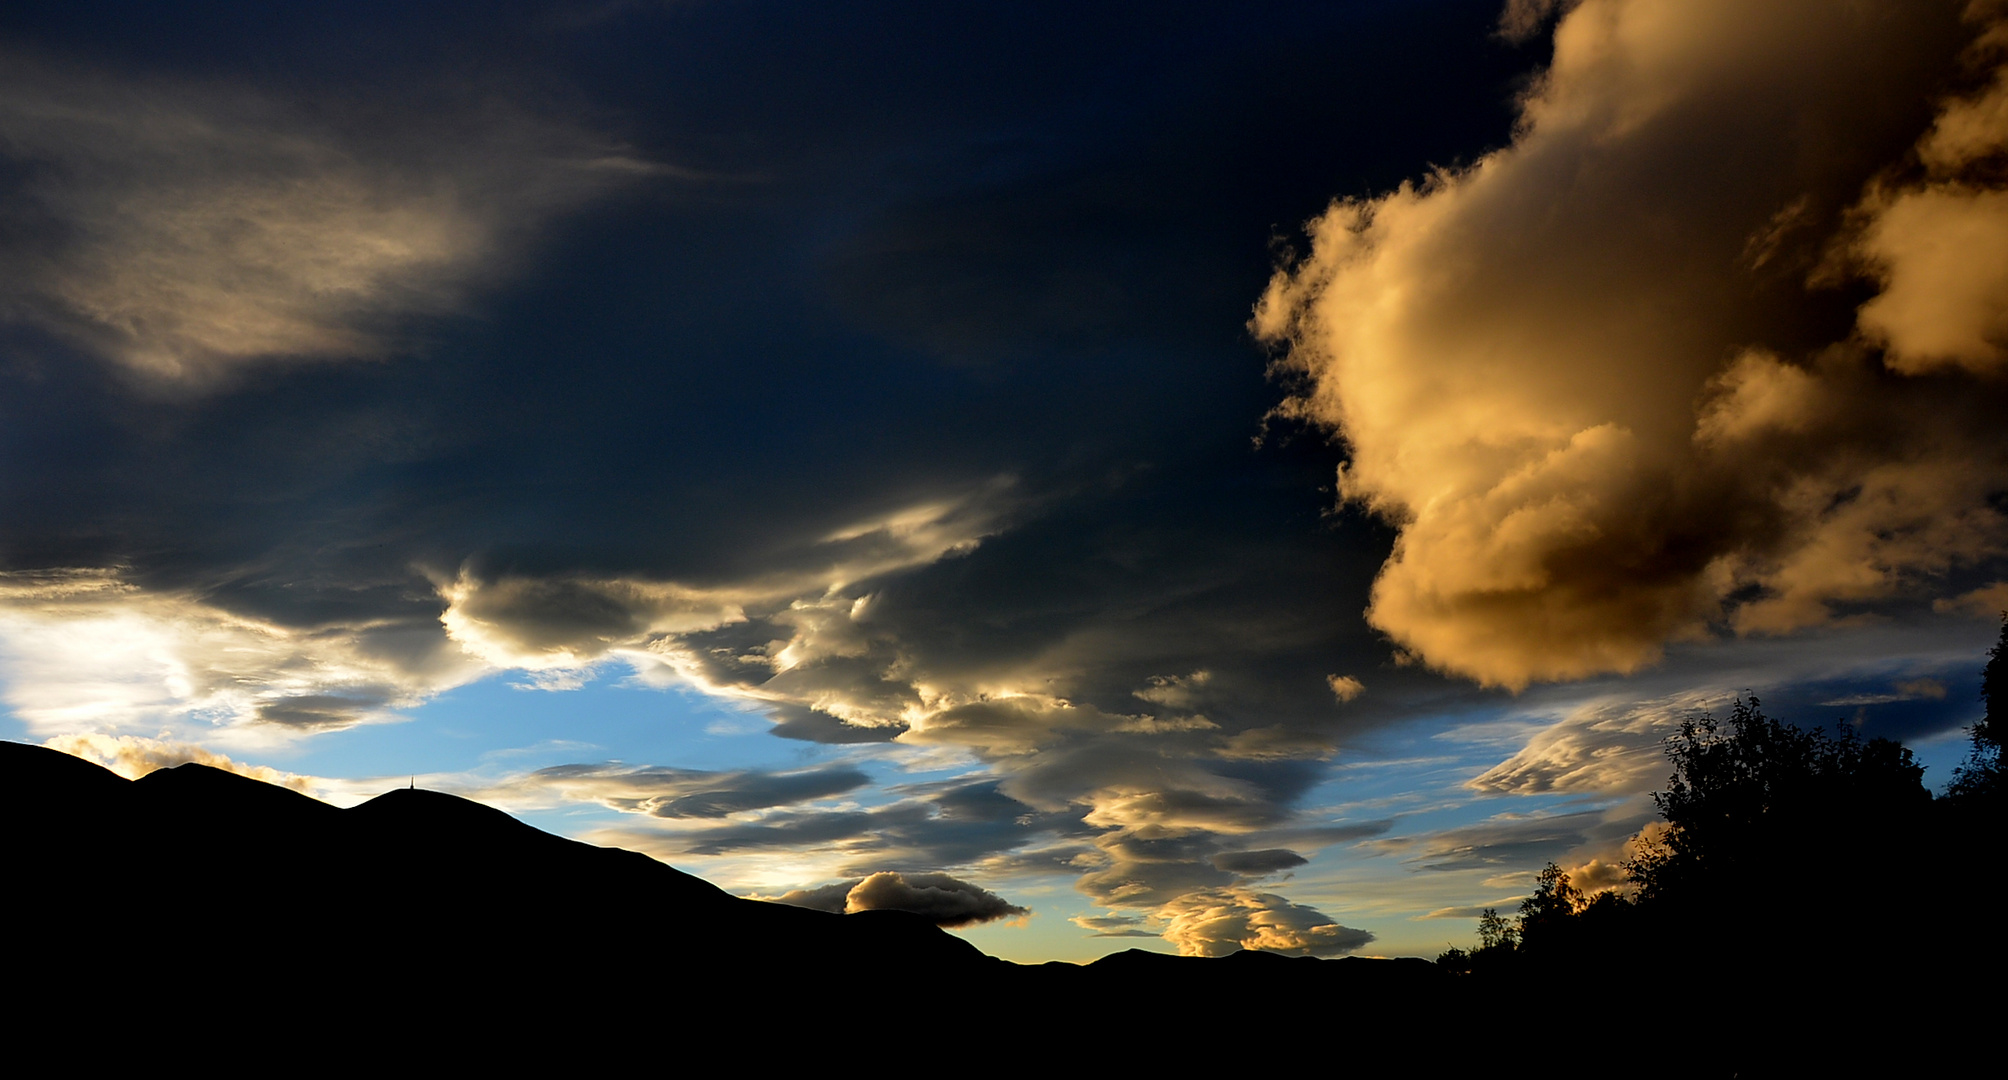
<point>946,900</point>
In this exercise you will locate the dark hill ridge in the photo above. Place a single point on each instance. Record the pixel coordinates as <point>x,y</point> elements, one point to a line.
<point>199,908</point>
<point>420,882</point>
<point>408,878</point>
<point>428,924</point>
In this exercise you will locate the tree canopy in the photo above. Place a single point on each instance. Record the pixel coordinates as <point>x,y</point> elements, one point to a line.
<point>1979,777</point>
<point>1759,816</point>
<point>1753,799</point>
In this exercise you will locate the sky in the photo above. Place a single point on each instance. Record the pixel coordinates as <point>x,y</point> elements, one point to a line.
<point>1190,477</point>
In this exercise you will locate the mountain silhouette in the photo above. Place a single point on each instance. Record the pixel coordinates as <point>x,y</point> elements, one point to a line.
<point>196,908</point>
<point>422,921</point>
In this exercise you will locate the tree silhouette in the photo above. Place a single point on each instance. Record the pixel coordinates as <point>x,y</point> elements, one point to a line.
<point>1978,778</point>
<point>1495,933</point>
<point>1546,916</point>
<point>1802,874</point>
<point>1765,822</point>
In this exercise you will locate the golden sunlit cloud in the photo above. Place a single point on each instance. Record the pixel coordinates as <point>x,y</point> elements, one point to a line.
<point>133,757</point>
<point>85,651</point>
<point>1215,922</point>
<point>947,900</point>
<point>1939,247</point>
<point>1602,747</point>
<point>546,623</point>
<point>1986,601</point>
<point>1585,376</point>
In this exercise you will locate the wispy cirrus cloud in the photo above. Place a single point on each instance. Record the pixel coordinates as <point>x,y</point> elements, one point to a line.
<point>186,227</point>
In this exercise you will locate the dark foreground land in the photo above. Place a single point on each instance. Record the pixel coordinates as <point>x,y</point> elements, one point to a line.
<point>199,910</point>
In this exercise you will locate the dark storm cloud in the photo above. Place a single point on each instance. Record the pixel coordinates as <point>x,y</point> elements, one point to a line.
<point>575,441</point>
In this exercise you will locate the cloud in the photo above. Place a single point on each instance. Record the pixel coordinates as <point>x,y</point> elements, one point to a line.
<point>1475,911</point>
<point>1215,922</point>
<point>93,648</point>
<point>188,227</point>
<point>1005,727</point>
<point>133,757</point>
<point>1597,876</point>
<point>1081,593</point>
<point>1988,601</point>
<point>1939,246</point>
<point>1902,690</point>
<point>1502,841</point>
<point>1176,691</point>
<point>85,650</point>
<point>797,633</point>
<point>1259,863</point>
<point>1608,740</point>
<point>831,898</point>
<point>946,900</point>
<point>1522,19</point>
<point>664,792</point>
<point>967,822</point>
<point>1113,926</point>
<point>1586,380</point>
<point>561,622</point>
<point>1277,743</point>
<point>1345,687</point>
<point>1602,747</point>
